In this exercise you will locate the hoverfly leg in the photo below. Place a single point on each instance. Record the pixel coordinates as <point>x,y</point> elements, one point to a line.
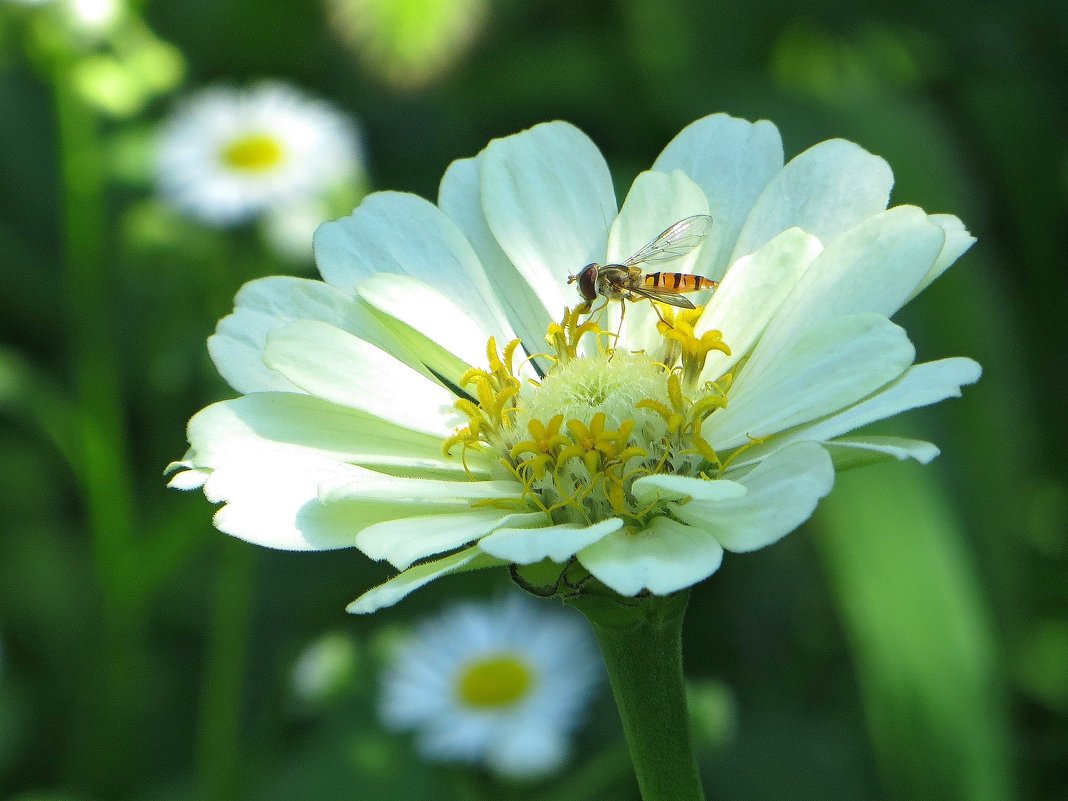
<point>619,328</point>
<point>661,316</point>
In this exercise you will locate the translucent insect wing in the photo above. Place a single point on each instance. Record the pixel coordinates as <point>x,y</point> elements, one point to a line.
<point>674,242</point>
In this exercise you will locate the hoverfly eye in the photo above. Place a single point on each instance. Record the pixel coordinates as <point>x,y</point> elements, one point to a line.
<point>587,282</point>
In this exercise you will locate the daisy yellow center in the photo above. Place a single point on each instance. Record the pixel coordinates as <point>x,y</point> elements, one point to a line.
<point>579,438</point>
<point>254,152</point>
<point>494,682</point>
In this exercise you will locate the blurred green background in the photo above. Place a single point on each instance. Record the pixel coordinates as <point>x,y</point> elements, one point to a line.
<point>911,642</point>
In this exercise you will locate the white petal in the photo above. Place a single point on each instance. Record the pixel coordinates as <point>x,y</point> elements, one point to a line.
<point>656,201</point>
<point>783,491</point>
<point>280,426</point>
<point>373,486</point>
<point>832,365</point>
<point>921,385</point>
<point>664,558</point>
<point>873,267</point>
<point>190,479</point>
<point>266,455</point>
<point>648,488</point>
<point>751,293</point>
<point>419,576</point>
<point>528,751</point>
<point>732,160</point>
<point>394,232</point>
<point>265,304</point>
<point>825,191</point>
<point>850,452</point>
<point>405,540</point>
<point>548,199</point>
<point>442,336</point>
<point>272,502</point>
<point>529,545</point>
<point>958,240</point>
<point>460,197</point>
<point>336,366</point>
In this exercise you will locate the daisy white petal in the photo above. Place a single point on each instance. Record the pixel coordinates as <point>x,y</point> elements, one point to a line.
<point>527,754</point>
<point>781,493</point>
<point>732,160</point>
<point>663,558</point>
<point>548,199</point>
<point>826,190</point>
<point>336,366</point>
<point>831,365</point>
<point>525,546</point>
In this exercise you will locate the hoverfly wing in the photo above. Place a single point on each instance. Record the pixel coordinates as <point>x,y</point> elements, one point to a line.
<point>674,242</point>
<point>670,298</point>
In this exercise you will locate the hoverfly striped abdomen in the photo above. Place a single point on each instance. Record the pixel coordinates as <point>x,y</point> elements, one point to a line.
<point>677,282</point>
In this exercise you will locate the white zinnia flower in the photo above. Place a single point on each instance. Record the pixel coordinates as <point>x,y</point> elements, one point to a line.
<point>637,461</point>
<point>228,155</point>
<point>503,684</point>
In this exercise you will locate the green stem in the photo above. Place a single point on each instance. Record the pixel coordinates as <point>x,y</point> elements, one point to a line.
<point>101,448</point>
<point>641,642</point>
<point>220,753</point>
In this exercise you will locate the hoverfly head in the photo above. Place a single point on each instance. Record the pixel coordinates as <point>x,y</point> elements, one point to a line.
<point>587,281</point>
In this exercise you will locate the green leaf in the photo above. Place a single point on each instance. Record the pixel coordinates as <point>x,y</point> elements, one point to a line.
<point>921,633</point>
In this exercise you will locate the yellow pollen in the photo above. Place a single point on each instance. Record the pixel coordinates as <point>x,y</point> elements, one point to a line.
<point>494,682</point>
<point>253,153</point>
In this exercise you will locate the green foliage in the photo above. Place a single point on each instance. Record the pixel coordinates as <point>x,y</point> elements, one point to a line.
<point>910,644</point>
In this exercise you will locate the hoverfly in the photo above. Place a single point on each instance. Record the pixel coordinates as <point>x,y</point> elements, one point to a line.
<point>626,281</point>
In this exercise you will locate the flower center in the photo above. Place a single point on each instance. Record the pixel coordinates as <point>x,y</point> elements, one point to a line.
<point>582,388</point>
<point>253,153</point>
<point>495,682</point>
<point>578,439</point>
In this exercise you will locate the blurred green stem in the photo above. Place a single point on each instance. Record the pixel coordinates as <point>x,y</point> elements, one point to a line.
<point>219,747</point>
<point>641,641</point>
<point>101,442</point>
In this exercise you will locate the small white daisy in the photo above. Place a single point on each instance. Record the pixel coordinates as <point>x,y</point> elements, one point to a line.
<point>502,684</point>
<point>227,155</point>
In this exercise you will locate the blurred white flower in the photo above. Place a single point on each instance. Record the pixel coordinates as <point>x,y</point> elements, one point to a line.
<point>502,684</point>
<point>325,667</point>
<point>227,155</point>
<point>289,229</point>
<point>94,15</point>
